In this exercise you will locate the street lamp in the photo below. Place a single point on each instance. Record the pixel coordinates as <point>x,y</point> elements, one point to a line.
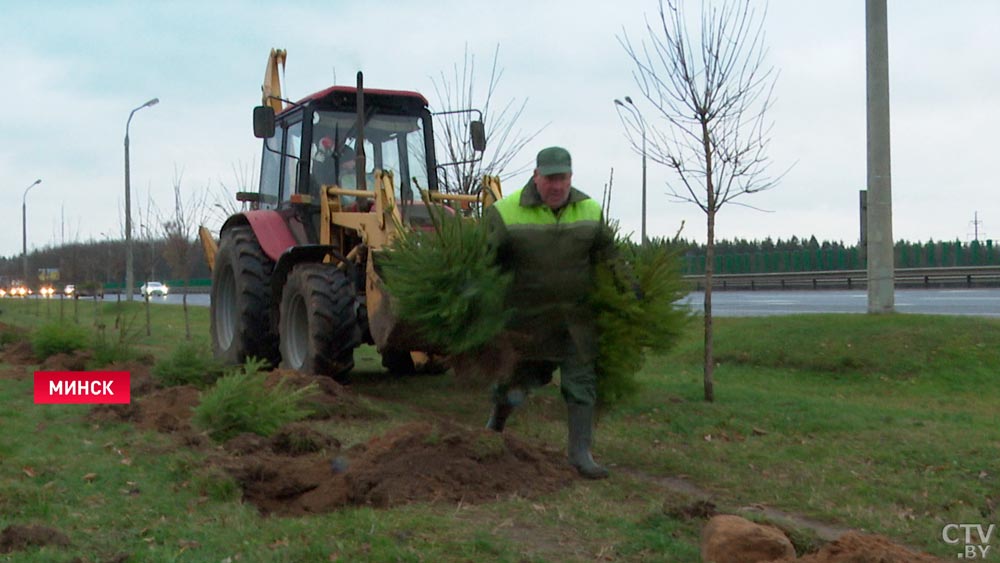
<point>634,110</point>
<point>129,274</point>
<point>24,229</point>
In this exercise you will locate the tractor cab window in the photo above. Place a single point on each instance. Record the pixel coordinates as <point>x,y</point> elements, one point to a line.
<point>290,168</point>
<point>270,172</point>
<point>392,143</point>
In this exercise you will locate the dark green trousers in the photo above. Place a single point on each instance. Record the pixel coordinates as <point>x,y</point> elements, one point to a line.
<point>578,380</point>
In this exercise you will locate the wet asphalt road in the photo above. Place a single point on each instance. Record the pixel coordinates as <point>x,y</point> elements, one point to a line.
<point>975,302</point>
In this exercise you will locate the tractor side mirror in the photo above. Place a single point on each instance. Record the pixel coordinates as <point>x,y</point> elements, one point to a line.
<point>263,122</point>
<point>477,130</point>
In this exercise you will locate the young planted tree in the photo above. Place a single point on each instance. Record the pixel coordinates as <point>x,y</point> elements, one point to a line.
<point>179,232</point>
<point>457,92</point>
<point>710,89</point>
<point>147,241</point>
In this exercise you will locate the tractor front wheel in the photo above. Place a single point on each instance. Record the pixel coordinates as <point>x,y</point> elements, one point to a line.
<point>318,325</point>
<point>241,300</point>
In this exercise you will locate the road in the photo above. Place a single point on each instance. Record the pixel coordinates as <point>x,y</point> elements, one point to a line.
<point>975,302</point>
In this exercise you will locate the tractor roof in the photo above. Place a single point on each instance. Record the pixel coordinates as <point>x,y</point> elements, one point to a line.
<point>346,96</point>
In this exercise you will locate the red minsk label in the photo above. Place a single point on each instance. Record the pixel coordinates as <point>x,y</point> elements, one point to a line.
<point>82,387</point>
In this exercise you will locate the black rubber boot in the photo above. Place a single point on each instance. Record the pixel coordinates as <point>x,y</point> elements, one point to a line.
<point>504,402</point>
<point>581,431</point>
<point>498,419</point>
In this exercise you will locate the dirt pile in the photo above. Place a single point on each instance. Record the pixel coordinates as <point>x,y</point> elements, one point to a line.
<point>426,462</point>
<point>300,470</point>
<point>331,400</point>
<point>420,462</point>
<point>73,361</point>
<point>164,410</point>
<point>733,539</point>
<point>19,353</point>
<point>170,409</point>
<point>865,548</point>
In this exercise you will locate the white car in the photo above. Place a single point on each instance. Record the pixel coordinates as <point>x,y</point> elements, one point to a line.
<point>152,288</point>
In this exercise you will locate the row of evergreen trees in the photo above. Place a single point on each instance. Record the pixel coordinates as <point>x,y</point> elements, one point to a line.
<point>104,261</point>
<point>797,255</point>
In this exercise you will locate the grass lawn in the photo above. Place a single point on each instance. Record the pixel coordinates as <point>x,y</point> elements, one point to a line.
<point>887,424</point>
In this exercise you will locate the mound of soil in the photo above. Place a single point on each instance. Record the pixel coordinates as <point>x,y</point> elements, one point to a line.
<point>19,353</point>
<point>425,462</point>
<point>170,409</point>
<point>300,470</point>
<point>418,462</point>
<point>854,547</point>
<point>74,361</point>
<point>164,410</point>
<point>17,537</point>
<point>330,400</point>
<point>140,376</point>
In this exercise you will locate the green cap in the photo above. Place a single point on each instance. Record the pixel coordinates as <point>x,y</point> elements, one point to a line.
<point>554,160</point>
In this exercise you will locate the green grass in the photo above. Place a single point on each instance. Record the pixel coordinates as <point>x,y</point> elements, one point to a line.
<point>884,423</point>
<point>120,322</point>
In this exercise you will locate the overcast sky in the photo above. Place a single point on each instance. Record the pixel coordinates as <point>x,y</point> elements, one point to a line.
<point>74,70</point>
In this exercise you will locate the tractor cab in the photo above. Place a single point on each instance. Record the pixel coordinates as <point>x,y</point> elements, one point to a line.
<point>318,142</point>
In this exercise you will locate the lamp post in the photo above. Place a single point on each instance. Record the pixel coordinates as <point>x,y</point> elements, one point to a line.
<point>129,274</point>
<point>634,110</point>
<point>24,229</point>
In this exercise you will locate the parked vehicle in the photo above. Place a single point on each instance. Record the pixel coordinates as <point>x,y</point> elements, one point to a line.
<point>154,288</point>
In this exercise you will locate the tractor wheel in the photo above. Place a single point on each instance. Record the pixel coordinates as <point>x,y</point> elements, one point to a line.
<point>319,326</point>
<point>241,300</point>
<point>398,362</point>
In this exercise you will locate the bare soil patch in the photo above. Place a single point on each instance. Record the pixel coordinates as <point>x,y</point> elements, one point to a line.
<point>18,537</point>
<point>300,470</point>
<point>420,462</point>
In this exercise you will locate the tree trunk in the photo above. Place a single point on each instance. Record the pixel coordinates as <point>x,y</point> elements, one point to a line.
<point>187,320</point>
<point>710,209</point>
<point>709,268</point>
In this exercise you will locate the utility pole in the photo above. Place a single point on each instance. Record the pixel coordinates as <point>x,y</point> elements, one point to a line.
<point>637,115</point>
<point>24,231</point>
<point>129,274</point>
<point>881,263</point>
<point>975,226</point>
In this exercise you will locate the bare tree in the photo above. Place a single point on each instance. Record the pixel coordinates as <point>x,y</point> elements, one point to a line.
<point>457,92</point>
<point>222,199</point>
<point>179,231</point>
<point>712,104</point>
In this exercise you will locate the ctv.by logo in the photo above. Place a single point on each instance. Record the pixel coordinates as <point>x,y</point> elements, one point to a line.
<point>974,539</point>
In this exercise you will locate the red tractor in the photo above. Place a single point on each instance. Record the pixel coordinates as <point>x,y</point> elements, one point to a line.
<point>342,171</point>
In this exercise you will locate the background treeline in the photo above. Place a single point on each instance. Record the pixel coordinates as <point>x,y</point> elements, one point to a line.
<point>742,256</point>
<point>104,262</point>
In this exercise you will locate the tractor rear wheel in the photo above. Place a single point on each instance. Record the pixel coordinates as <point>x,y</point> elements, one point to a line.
<point>319,325</point>
<point>241,300</point>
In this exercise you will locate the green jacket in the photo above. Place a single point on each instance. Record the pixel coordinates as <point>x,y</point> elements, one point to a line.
<point>552,256</point>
